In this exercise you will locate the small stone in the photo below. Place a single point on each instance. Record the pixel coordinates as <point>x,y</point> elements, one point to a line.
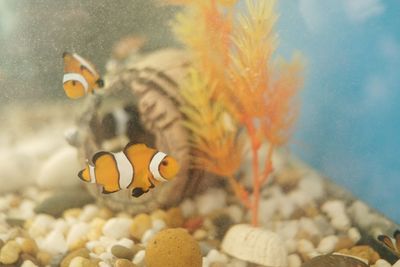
<point>193,224</point>
<point>188,208</point>
<point>206,247</point>
<point>15,222</point>
<point>158,215</point>
<point>364,252</point>
<point>128,243</point>
<point>55,243</point>
<point>88,213</point>
<point>174,218</point>
<point>214,199</point>
<point>117,227</point>
<point>28,246</point>
<point>9,253</point>
<point>140,224</point>
<point>28,263</point>
<point>140,258</point>
<point>216,256</point>
<point>237,263</point>
<point>344,242</point>
<point>382,263</point>
<point>397,264</point>
<point>294,260</point>
<point>148,235</point>
<point>105,213</point>
<point>341,222</point>
<point>96,229</point>
<point>124,263</point>
<point>56,204</point>
<point>218,264</point>
<point>83,252</point>
<point>81,262</point>
<point>200,234</point>
<point>44,258</point>
<point>173,248</point>
<point>354,234</point>
<point>122,252</point>
<point>158,225</point>
<point>72,213</point>
<point>327,244</point>
<point>334,261</point>
<point>40,225</point>
<point>305,248</point>
<point>77,233</point>
<point>236,213</point>
<point>26,257</point>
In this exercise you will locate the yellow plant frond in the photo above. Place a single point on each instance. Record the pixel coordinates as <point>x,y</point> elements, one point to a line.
<point>282,103</point>
<point>253,45</point>
<point>215,141</point>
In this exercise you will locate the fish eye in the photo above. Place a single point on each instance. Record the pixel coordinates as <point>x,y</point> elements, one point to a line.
<point>164,163</point>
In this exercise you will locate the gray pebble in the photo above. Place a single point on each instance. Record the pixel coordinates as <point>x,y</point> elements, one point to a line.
<point>122,252</point>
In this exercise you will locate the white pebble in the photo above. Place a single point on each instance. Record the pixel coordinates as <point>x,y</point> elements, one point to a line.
<point>28,263</point>
<point>327,244</point>
<point>77,232</point>
<point>236,213</point>
<point>294,260</point>
<point>104,264</point>
<point>333,208</point>
<point>216,256</point>
<point>88,213</point>
<point>213,199</point>
<point>305,246</point>
<point>158,225</point>
<point>55,243</point>
<point>117,228</point>
<point>397,264</point>
<point>268,207</point>
<point>128,243</point>
<point>148,235</point>
<point>301,198</point>
<point>309,226</point>
<point>41,225</point>
<point>188,208</point>
<point>354,234</point>
<point>286,207</point>
<point>106,256</point>
<point>139,257</point>
<point>312,185</point>
<point>237,263</point>
<point>382,263</point>
<point>341,222</point>
<point>291,245</point>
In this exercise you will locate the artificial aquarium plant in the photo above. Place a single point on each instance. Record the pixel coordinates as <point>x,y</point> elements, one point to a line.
<point>237,91</point>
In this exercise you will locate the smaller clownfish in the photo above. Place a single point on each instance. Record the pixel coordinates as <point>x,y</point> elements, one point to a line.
<point>80,76</point>
<point>137,168</point>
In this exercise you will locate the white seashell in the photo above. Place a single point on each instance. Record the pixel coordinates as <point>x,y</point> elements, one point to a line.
<point>255,245</point>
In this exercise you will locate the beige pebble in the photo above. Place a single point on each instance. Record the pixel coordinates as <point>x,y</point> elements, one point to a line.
<point>382,263</point>
<point>122,252</point>
<point>72,213</point>
<point>83,252</point>
<point>99,249</point>
<point>344,242</point>
<point>200,234</point>
<point>354,234</point>
<point>159,215</point>
<point>44,258</point>
<point>96,227</point>
<point>81,262</point>
<point>294,260</point>
<point>327,244</point>
<point>124,263</point>
<point>28,263</point>
<point>105,213</point>
<point>397,264</point>
<point>140,224</point>
<point>218,264</point>
<point>27,257</point>
<point>174,218</point>
<point>29,246</point>
<point>9,253</point>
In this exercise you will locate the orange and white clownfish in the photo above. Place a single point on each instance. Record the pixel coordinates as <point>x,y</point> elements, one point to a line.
<point>137,168</point>
<point>80,76</point>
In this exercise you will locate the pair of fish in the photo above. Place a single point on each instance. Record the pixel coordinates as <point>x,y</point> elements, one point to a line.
<point>80,76</point>
<point>137,167</point>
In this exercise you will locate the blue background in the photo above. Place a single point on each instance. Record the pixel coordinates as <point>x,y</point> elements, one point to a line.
<point>349,127</point>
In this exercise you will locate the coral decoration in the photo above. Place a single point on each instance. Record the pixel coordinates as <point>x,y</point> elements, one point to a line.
<point>234,76</point>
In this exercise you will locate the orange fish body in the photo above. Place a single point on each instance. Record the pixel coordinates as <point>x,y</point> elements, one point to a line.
<point>80,76</point>
<point>137,168</point>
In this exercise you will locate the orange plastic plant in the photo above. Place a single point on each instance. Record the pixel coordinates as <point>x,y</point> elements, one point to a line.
<point>234,77</point>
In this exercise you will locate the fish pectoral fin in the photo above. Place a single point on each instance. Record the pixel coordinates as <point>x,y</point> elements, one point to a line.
<point>105,191</point>
<point>137,192</point>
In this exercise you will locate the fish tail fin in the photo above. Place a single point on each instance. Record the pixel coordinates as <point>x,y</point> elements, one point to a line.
<point>84,174</point>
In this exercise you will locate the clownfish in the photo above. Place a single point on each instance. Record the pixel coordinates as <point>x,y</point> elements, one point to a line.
<point>80,76</point>
<point>137,168</point>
